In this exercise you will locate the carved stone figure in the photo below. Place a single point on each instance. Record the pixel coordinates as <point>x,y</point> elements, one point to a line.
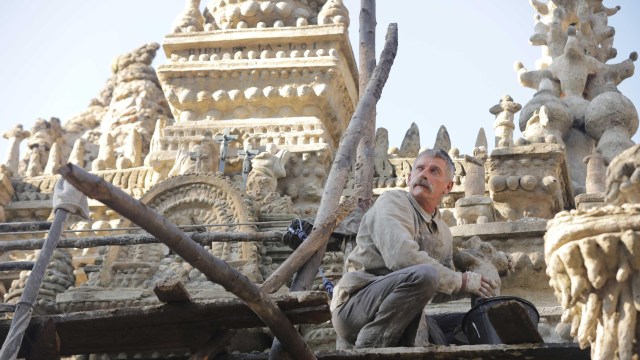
<point>558,117</point>
<point>106,154</point>
<point>15,137</point>
<point>382,166</point>
<point>596,172</point>
<point>503,126</point>
<point>623,178</point>
<point>482,258</point>
<point>267,168</point>
<point>190,19</point>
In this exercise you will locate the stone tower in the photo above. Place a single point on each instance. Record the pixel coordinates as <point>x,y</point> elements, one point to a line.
<point>267,72</point>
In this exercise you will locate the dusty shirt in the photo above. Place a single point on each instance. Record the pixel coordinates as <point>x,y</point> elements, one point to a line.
<point>394,234</point>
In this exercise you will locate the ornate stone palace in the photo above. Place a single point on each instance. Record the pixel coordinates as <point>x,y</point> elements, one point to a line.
<point>237,131</point>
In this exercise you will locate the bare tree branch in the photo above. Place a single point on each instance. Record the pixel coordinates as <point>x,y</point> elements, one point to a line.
<point>325,220</point>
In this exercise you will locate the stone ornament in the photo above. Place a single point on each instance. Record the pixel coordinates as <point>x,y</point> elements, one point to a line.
<point>503,126</point>
<point>190,19</point>
<point>593,260</point>
<point>15,137</point>
<point>623,178</point>
<point>481,257</point>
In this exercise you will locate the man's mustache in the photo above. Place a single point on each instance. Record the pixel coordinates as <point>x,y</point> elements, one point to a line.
<point>423,182</point>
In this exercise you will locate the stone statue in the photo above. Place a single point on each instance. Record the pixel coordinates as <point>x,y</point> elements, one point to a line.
<point>131,151</point>
<point>596,172</point>
<point>55,159</point>
<point>475,175</point>
<point>381,164</point>
<point>482,258</point>
<point>333,12</point>
<point>15,137</point>
<point>77,153</point>
<point>503,126</point>
<point>190,19</point>
<point>106,154</point>
<point>267,168</point>
<point>572,69</point>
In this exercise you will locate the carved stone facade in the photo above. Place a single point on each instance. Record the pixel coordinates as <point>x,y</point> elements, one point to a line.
<point>238,129</point>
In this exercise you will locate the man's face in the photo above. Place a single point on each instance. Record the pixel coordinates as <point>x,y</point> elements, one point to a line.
<point>429,181</point>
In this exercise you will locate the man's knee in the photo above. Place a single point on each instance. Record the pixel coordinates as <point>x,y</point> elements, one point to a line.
<point>426,277</point>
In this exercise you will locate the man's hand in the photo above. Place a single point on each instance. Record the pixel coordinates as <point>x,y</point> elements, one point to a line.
<point>476,284</point>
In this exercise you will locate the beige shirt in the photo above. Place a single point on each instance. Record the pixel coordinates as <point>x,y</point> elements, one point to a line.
<point>394,234</point>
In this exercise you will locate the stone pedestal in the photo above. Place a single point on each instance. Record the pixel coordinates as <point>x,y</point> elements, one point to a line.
<point>530,181</point>
<point>474,209</point>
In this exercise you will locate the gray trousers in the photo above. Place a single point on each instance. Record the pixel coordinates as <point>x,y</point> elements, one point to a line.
<point>386,311</point>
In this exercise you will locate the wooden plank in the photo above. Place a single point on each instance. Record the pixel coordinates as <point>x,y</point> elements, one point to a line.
<point>171,327</point>
<point>171,291</point>
<point>560,351</point>
<point>138,239</point>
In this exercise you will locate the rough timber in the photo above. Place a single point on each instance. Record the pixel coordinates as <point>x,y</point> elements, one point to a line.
<point>263,90</point>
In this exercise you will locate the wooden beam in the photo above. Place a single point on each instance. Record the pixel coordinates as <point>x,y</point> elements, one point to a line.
<point>169,327</point>
<point>25,226</point>
<point>4,307</point>
<point>171,291</point>
<point>136,239</point>
<point>16,265</point>
<point>562,351</point>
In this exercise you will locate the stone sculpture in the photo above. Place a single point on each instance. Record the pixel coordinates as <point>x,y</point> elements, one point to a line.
<point>15,137</point>
<point>481,257</point>
<point>503,126</point>
<point>190,19</point>
<point>593,262</point>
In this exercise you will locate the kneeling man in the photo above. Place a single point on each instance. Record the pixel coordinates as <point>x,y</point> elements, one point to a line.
<point>402,260</point>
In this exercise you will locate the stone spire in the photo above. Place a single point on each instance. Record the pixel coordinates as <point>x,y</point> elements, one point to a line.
<point>443,140</point>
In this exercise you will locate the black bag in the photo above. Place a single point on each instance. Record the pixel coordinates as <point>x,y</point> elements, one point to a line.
<point>502,320</point>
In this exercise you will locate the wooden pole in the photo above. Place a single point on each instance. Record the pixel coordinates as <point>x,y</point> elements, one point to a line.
<point>25,226</point>
<point>24,308</point>
<point>16,265</point>
<point>366,148</point>
<point>138,239</point>
<point>327,213</point>
<point>215,269</point>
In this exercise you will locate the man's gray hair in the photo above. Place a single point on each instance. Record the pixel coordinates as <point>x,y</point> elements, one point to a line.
<point>438,153</point>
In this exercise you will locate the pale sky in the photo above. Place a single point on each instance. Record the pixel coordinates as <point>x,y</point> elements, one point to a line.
<point>455,58</point>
